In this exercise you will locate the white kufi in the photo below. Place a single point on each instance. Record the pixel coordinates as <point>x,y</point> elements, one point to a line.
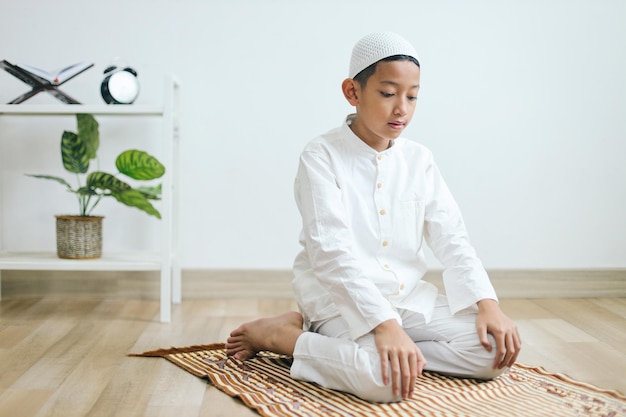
<point>376,46</point>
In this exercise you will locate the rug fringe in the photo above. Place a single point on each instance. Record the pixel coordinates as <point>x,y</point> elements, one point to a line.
<point>159,353</point>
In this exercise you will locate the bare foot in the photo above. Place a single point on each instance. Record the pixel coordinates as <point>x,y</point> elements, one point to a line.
<point>276,334</point>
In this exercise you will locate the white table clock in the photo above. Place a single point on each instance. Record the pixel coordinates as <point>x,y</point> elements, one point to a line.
<point>120,85</point>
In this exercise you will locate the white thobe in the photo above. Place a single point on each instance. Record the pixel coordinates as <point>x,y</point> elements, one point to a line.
<point>365,215</point>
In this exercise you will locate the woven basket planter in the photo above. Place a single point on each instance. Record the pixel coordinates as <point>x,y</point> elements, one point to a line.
<point>79,237</point>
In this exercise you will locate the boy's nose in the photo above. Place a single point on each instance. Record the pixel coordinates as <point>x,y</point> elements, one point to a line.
<point>401,108</point>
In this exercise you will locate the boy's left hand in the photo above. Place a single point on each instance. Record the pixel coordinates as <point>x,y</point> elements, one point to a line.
<point>491,320</point>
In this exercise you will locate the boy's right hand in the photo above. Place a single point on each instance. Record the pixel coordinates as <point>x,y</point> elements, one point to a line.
<point>400,354</point>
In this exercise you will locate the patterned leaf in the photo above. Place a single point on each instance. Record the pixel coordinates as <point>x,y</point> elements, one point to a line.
<point>86,191</point>
<point>104,181</point>
<point>74,153</point>
<point>88,133</point>
<point>139,165</point>
<point>50,177</point>
<point>134,198</point>
<point>151,193</point>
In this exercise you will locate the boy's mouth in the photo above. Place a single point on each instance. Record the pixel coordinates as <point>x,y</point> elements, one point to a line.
<point>396,125</point>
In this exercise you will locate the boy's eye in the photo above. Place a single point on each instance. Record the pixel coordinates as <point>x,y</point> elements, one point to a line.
<point>412,98</point>
<point>385,94</point>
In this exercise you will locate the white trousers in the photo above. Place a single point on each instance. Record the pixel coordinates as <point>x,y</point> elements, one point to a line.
<point>326,354</point>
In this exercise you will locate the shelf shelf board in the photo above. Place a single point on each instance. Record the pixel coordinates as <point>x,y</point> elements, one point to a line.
<point>126,261</point>
<point>70,109</point>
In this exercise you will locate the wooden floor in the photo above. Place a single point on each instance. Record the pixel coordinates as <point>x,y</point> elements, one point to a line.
<point>66,355</point>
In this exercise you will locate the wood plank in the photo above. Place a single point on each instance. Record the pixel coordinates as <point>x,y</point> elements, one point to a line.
<point>16,360</point>
<point>79,365</point>
<point>23,402</point>
<point>11,335</point>
<point>592,318</point>
<point>228,406</point>
<point>615,305</point>
<point>130,389</point>
<point>523,308</point>
<point>176,390</point>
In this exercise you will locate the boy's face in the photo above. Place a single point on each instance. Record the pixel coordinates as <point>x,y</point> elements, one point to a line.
<point>387,103</point>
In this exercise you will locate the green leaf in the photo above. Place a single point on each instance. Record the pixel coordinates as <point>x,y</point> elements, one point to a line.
<point>50,177</point>
<point>106,182</point>
<point>134,198</point>
<point>88,133</point>
<point>74,153</point>
<point>86,191</point>
<point>151,193</point>
<point>139,165</point>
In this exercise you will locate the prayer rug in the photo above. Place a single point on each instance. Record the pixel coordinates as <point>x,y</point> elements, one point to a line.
<point>264,384</point>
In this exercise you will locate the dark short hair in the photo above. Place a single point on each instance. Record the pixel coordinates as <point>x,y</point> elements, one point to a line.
<point>364,75</point>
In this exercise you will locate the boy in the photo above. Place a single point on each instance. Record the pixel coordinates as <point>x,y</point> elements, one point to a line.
<point>368,198</point>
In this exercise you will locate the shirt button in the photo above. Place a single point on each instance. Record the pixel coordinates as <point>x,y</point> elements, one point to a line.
<point>385,243</point>
<point>383,212</point>
<point>379,185</point>
<point>379,157</point>
<point>401,286</point>
<point>386,266</point>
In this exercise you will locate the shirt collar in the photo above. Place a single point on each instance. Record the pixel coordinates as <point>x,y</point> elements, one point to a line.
<point>357,141</point>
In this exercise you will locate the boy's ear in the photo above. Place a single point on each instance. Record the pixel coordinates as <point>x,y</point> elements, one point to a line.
<point>350,90</point>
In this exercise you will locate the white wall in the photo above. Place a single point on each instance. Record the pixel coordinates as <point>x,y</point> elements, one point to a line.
<point>522,102</point>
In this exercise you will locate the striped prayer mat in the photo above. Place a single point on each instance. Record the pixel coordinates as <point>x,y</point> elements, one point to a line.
<point>264,384</point>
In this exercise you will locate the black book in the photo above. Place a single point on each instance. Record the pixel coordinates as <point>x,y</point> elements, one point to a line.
<point>41,80</point>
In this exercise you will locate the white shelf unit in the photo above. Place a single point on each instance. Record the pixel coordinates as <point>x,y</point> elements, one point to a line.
<point>166,260</point>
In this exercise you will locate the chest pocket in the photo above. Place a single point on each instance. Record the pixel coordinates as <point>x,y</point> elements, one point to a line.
<point>408,226</point>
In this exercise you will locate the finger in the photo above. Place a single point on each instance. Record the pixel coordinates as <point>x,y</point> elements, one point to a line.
<point>414,366</point>
<point>517,343</point>
<point>484,340</point>
<point>421,362</point>
<point>510,351</point>
<point>500,351</point>
<point>396,374</point>
<point>384,367</point>
<point>405,375</point>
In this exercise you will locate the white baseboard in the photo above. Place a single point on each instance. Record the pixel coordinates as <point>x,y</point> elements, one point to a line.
<point>553,283</point>
<point>211,283</point>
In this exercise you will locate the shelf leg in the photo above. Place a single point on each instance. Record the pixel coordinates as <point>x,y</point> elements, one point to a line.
<point>166,294</point>
<point>176,283</point>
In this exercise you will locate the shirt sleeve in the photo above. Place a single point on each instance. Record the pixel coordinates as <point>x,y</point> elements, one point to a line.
<point>465,279</point>
<point>328,241</point>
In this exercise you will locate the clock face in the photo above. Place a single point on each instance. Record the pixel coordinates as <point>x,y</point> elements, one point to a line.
<point>123,87</point>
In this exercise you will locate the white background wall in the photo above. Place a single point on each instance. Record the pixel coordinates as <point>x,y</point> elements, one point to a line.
<point>522,102</point>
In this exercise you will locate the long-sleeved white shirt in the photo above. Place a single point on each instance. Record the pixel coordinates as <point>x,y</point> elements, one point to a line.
<point>365,215</point>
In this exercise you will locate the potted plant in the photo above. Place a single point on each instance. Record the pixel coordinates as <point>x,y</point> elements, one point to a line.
<point>80,236</point>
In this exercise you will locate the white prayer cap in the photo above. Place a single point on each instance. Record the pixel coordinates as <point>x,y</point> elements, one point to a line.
<point>376,46</point>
